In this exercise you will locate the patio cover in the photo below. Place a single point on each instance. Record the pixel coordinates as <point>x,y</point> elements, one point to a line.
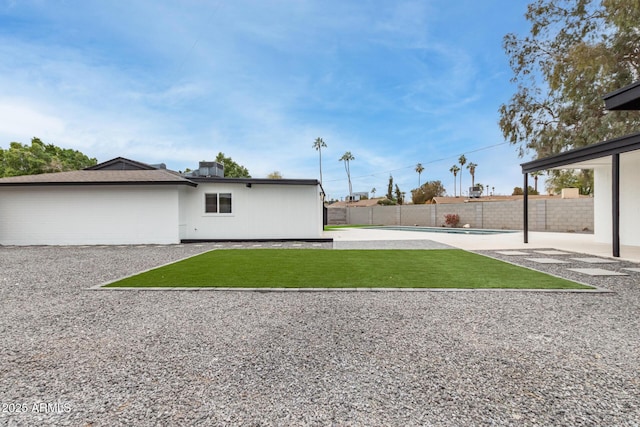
<point>602,153</point>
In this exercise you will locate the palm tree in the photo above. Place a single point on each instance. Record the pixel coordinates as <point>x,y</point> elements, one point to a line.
<point>462,160</point>
<point>535,176</point>
<point>419,169</point>
<point>454,170</point>
<point>472,170</point>
<point>347,157</point>
<point>318,144</point>
<point>373,192</point>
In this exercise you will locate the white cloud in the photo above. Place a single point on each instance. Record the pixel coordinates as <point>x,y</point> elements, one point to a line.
<point>21,121</point>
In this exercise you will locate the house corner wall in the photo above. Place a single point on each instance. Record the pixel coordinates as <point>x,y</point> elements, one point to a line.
<point>629,200</point>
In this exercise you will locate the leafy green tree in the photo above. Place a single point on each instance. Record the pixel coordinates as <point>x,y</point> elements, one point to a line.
<point>419,169</point>
<point>399,195</point>
<point>576,51</point>
<point>582,179</point>
<point>427,192</point>
<point>517,191</point>
<point>275,175</point>
<point>454,170</point>
<point>346,158</point>
<point>37,158</point>
<point>319,144</point>
<point>567,178</point>
<point>231,168</point>
<point>387,202</point>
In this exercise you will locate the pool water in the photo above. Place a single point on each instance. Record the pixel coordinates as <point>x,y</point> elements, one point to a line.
<point>443,230</point>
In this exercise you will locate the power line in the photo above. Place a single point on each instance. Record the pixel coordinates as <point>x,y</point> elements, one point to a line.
<point>424,163</point>
<point>188,53</point>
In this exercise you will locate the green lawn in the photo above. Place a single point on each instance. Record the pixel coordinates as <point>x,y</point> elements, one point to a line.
<point>312,268</point>
<point>338,227</point>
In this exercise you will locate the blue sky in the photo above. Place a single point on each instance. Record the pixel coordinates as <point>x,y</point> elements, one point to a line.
<point>393,82</point>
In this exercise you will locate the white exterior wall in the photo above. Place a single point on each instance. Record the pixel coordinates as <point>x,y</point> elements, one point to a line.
<point>263,211</point>
<point>629,201</point>
<point>602,223</point>
<point>87,215</point>
<point>630,198</point>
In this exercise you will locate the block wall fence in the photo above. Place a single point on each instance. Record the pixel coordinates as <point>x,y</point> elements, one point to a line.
<point>562,215</point>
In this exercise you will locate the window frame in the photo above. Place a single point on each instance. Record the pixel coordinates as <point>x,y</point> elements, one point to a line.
<point>227,195</point>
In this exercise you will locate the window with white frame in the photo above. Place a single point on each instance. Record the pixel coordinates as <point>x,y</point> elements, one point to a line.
<point>219,203</point>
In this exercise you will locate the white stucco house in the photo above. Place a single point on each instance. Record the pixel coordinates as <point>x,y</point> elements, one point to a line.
<point>122,201</point>
<point>616,166</point>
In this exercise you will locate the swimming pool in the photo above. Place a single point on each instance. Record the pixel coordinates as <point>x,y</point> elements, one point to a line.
<point>442,229</point>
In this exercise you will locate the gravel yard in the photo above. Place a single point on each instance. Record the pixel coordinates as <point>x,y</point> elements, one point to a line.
<point>71,356</point>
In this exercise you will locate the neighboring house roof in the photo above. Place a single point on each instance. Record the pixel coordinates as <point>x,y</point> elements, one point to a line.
<point>99,177</point>
<point>359,204</point>
<point>451,200</point>
<point>448,200</point>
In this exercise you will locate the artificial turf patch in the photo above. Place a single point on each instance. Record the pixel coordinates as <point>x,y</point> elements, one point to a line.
<point>322,268</point>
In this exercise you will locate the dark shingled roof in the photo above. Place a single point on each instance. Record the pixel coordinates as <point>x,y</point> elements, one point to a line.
<point>100,177</point>
<point>121,171</point>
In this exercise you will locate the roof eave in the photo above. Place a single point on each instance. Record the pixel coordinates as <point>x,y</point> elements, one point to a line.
<point>96,183</point>
<point>626,98</point>
<point>601,149</point>
<point>266,181</point>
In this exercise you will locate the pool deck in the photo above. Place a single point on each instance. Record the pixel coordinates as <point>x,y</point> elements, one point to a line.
<point>575,242</point>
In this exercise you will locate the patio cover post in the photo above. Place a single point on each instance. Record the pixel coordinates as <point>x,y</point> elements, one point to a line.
<point>615,203</point>
<point>525,208</point>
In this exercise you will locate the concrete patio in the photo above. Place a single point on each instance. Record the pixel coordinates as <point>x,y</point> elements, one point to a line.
<point>574,242</point>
